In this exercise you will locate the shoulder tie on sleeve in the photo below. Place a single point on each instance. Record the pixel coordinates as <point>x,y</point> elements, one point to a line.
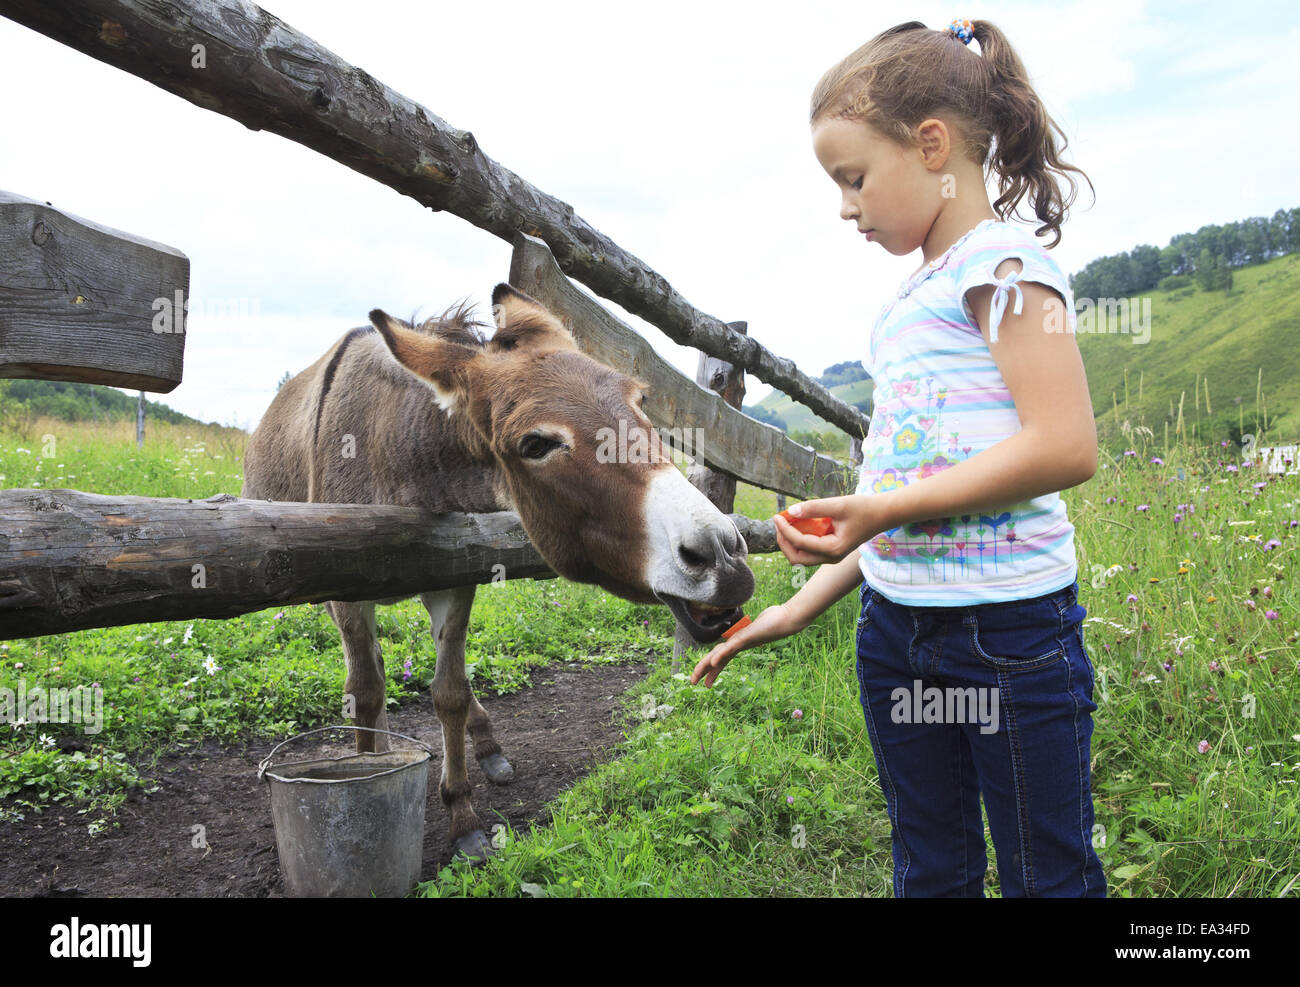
<point>999,303</point>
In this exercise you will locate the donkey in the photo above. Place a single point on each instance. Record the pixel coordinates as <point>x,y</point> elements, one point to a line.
<point>439,416</point>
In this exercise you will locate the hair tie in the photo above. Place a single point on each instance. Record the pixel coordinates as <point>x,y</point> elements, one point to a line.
<point>962,29</point>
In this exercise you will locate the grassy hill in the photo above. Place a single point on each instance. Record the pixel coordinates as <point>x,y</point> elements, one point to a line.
<point>73,402</point>
<point>798,418</point>
<point>1233,344</point>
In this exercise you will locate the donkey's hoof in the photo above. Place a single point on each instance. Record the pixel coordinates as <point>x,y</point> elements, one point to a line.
<point>497,769</point>
<point>475,847</point>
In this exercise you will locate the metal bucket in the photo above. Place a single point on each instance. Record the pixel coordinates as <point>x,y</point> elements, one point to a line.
<point>351,826</point>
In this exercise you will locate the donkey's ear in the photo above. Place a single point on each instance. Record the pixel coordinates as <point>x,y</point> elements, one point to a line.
<point>523,321</point>
<point>441,364</point>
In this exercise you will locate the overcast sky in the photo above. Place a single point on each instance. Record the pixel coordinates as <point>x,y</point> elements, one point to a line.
<point>677,129</point>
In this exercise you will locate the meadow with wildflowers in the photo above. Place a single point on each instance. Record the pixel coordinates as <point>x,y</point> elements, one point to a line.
<point>764,785</point>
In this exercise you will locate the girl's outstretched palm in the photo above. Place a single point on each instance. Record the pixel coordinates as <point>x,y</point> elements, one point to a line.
<point>772,624</point>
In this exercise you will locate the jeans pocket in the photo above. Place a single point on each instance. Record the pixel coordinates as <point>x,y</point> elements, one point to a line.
<point>869,600</point>
<point>1017,638</point>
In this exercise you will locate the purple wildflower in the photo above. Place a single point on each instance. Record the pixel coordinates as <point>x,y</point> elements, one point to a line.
<point>1271,614</point>
<point>1203,747</point>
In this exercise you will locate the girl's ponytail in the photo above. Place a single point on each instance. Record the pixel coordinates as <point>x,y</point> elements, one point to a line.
<point>909,73</point>
<point>1024,155</point>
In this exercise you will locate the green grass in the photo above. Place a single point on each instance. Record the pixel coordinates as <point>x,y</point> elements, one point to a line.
<point>176,461</point>
<point>727,793</point>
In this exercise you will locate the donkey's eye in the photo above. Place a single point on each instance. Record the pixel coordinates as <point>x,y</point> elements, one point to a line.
<point>535,446</point>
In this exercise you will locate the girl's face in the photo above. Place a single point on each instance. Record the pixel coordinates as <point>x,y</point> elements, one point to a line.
<point>886,190</point>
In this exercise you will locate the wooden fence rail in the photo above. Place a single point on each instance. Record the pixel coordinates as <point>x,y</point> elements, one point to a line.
<point>71,560</point>
<point>268,76</point>
<point>86,303</point>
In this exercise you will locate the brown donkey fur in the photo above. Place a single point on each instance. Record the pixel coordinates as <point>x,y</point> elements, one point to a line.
<point>439,416</point>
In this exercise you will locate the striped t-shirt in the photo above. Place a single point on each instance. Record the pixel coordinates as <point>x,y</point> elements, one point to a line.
<point>940,399</point>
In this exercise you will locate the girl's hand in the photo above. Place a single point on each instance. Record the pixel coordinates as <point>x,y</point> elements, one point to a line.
<point>772,624</point>
<point>854,519</point>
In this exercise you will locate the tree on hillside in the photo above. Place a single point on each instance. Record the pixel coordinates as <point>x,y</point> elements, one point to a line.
<point>848,372</point>
<point>1222,275</point>
<point>283,380</point>
<point>1254,240</point>
<point>1206,275</point>
<point>1279,231</point>
<point>1146,267</point>
<point>763,415</point>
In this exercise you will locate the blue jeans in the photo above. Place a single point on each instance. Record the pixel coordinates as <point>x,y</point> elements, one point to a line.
<point>991,700</point>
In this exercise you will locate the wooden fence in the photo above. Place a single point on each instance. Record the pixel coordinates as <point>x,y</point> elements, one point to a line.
<point>70,560</point>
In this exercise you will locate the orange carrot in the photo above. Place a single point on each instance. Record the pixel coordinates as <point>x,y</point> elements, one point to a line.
<point>810,525</point>
<point>742,622</point>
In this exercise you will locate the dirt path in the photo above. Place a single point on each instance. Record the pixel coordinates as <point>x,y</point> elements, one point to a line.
<point>553,733</point>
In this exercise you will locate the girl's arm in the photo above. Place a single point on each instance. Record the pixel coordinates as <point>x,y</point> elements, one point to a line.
<point>827,585</point>
<point>1055,449</point>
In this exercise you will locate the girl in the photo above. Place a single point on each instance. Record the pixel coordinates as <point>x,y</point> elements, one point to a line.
<point>972,673</point>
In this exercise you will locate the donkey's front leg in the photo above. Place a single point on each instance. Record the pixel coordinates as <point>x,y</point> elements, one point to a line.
<point>455,705</point>
<point>364,692</point>
<point>449,612</point>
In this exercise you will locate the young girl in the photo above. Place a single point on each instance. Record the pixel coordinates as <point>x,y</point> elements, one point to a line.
<point>972,673</point>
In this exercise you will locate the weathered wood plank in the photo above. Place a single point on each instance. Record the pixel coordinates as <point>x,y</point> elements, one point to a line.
<point>727,381</point>
<point>82,302</point>
<point>268,76</point>
<point>71,560</point>
<point>729,441</point>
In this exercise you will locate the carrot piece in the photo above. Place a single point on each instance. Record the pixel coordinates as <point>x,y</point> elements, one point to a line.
<point>818,526</point>
<point>741,623</point>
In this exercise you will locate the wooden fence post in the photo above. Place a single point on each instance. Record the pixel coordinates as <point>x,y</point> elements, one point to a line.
<point>727,380</point>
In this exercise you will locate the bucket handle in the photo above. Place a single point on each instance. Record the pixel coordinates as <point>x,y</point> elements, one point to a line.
<point>266,761</point>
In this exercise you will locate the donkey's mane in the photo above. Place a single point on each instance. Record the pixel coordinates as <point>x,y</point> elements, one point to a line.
<point>456,324</point>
